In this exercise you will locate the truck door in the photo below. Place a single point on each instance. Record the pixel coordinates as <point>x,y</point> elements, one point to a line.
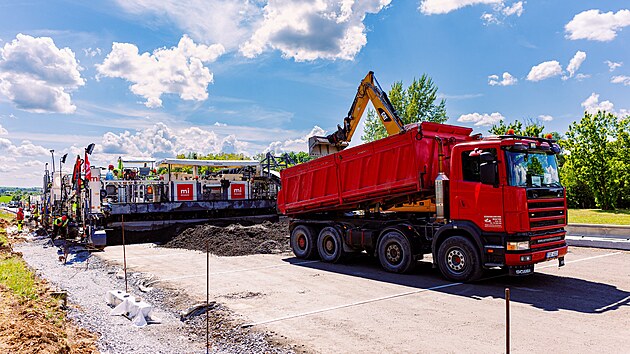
<point>472,200</point>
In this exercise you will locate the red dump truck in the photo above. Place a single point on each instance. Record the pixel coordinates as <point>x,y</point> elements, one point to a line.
<point>473,203</point>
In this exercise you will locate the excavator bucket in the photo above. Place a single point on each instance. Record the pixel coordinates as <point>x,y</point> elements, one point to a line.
<point>320,146</point>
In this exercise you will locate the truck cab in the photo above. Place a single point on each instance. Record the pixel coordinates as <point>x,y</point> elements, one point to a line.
<point>505,193</point>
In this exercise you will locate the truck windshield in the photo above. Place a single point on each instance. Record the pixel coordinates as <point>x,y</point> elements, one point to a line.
<point>532,169</point>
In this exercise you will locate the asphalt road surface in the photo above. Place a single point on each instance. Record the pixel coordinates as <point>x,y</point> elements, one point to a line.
<point>357,307</point>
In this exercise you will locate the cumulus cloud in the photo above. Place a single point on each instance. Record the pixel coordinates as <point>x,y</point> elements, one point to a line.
<point>592,104</point>
<point>481,119</point>
<point>299,29</point>
<point>507,80</point>
<point>178,70</point>
<point>597,26</point>
<point>27,148</point>
<point>162,141</point>
<point>575,63</point>
<point>436,7</point>
<point>37,76</point>
<point>613,65</point>
<point>544,71</point>
<point>501,11</point>
<point>89,52</point>
<point>227,22</point>
<point>545,117</point>
<point>3,131</point>
<point>309,30</point>
<point>299,144</point>
<point>621,79</point>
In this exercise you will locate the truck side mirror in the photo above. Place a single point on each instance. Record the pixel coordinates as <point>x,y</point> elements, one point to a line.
<point>488,172</point>
<point>488,168</point>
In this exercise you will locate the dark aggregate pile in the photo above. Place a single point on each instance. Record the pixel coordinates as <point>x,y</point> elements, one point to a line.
<point>235,239</point>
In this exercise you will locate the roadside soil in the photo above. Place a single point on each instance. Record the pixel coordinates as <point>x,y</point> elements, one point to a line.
<point>235,239</point>
<point>37,324</point>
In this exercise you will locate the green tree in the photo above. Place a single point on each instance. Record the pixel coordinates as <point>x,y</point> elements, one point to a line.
<point>416,103</point>
<point>597,147</point>
<point>529,127</point>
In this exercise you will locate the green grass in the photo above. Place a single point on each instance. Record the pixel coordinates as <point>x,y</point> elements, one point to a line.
<point>6,215</point>
<point>598,216</point>
<point>15,275</point>
<point>5,198</point>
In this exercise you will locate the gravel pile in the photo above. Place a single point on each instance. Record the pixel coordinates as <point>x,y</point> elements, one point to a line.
<point>235,239</point>
<point>87,279</point>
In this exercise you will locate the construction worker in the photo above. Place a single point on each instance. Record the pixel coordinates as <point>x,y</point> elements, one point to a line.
<point>110,173</point>
<point>20,218</point>
<point>36,216</point>
<point>60,227</point>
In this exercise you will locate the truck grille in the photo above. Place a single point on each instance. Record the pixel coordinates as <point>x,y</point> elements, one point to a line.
<point>546,213</point>
<point>548,238</point>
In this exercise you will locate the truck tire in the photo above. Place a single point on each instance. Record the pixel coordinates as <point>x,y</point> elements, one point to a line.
<point>329,245</point>
<point>303,242</point>
<point>458,260</point>
<point>394,253</point>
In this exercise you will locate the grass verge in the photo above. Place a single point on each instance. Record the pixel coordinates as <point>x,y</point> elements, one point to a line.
<point>598,216</point>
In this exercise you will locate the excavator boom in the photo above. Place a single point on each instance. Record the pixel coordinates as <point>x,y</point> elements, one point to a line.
<point>369,90</point>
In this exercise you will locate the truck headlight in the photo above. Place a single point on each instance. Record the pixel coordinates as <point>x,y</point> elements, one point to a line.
<point>518,246</point>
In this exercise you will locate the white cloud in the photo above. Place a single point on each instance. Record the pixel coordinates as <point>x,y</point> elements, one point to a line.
<point>33,163</point>
<point>299,29</point>
<point>299,144</point>
<point>507,80</point>
<point>178,70</point>
<point>89,52</point>
<point>28,149</point>
<point>309,30</point>
<point>436,7</point>
<point>575,63</point>
<point>545,117</point>
<point>592,104</point>
<point>544,71</point>
<point>613,65</point>
<point>3,131</point>
<point>227,22</point>
<point>514,9</point>
<point>37,76</point>
<point>161,141</point>
<point>621,79</point>
<point>219,124</point>
<point>581,76</point>
<point>597,26</point>
<point>481,119</point>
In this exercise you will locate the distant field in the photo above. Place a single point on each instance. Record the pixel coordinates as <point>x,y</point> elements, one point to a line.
<point>597,216</point>
<point>5,198</point>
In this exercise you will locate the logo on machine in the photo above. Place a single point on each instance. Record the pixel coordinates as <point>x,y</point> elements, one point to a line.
<point>184,192</point>
<point>237,191</point>
<point>492,221</point>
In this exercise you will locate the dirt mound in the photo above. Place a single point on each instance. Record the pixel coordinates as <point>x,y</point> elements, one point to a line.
<point>235,239</point>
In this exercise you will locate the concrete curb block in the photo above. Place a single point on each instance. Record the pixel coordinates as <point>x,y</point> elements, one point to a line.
<point>593,230</point>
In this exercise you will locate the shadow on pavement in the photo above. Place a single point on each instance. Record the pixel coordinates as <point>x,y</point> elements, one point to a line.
<point>543,291</point>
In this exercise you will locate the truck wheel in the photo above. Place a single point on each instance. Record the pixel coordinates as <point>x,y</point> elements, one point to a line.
<point>394,253</point>
<point>303,242</point>
<point>458,260</point>
<point>329,245</point>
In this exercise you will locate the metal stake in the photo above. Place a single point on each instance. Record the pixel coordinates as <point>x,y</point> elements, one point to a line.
<point>507,320</point>
<point>122,225</point>
<point>207,298</point>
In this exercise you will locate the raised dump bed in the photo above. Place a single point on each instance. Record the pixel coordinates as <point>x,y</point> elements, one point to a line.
<point>384,171</point>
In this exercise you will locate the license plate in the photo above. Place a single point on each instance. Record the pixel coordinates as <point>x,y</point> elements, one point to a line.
<point>552,254</point>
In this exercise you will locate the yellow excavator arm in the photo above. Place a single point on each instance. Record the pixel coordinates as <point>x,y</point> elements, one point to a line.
<point>369,90</point>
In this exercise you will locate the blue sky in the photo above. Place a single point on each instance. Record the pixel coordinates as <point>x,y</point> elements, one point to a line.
<point>146,78</point>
